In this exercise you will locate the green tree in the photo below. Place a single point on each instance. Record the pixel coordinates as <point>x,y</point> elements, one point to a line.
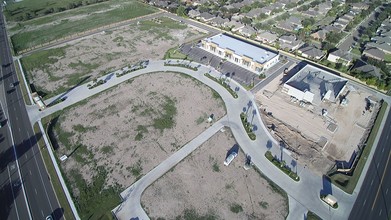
<point>181,11</point>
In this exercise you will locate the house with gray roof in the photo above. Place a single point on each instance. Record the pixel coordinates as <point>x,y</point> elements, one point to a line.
<point>219,21</point>
<point>193,13</point>
<point>289,42</point>
<point>311,52</point>
<point>267,37</point>
<point>366,69</point>
<point>374,53</point>
<point>267,10</point>
<point>205,16</point>
<point>314,85</point>
<point>320,35</point>
<point>233,25</point>
<point>340,56</point>
<point>247,31</point>
<point>310,13</point>
<point>253,13</point>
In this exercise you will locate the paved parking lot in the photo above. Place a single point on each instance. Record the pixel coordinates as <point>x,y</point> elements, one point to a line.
<point>239,74</point>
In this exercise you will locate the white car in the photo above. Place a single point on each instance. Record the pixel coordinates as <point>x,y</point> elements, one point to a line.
<point>49,217</point>
<point>230,158</point>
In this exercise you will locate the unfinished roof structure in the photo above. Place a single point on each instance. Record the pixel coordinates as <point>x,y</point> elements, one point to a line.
<point>313,85</point>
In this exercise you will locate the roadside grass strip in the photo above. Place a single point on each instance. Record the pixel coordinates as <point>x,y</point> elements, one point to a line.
<point>53,177</point>
<point>247,126</point>
<point>281,165</point>
<point>224,84</point>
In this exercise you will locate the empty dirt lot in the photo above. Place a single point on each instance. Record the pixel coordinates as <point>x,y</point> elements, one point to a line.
<point>116,137</point>
<point>57,69</point>
<point>201,187</point>
<point>316,140</point>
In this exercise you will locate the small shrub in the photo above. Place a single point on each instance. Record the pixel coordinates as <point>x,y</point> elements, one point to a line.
<point>236,208</point>
<point>216,167</point>
<point>264,204</point>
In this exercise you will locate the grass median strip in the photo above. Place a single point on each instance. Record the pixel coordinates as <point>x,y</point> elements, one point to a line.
<point>53,176</point>
<point>224,84</point>
<point>22,84</point>
<point>281,165</point>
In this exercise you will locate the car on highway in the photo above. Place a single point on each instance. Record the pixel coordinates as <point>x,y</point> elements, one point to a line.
<point>12,85</point>
<point>49,217</point>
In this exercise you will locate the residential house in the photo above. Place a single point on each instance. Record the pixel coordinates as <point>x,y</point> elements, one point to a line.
<point>237,17</point>
<point>324,7</point>
<point>286,26</point>
<point>295,21</point>
<point>382,43</point>
<point>360,6</point>
<point>341,23</point>
<point>161,4</point>
<point>311,52</point>
<point>233,25</point>
<point>254,13</point>
<point>310,13</point>
<point>291,24</point>
<point>278,5</point>
<point>374,53</point>
<point>206,17</point>
<point>340,56</point>
<point>267,37</point>
<point>247,31</point>
<point>345,18</point>
<point>366,69</point>
<point>320,35</point>
<point>267,10</point>
<point>289,42</point>
<point>193,13</point>
<point>219,21</point>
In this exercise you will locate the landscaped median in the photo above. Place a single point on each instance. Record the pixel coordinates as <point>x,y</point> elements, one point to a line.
<point>346,182</point>
<point>168,63</point>
<point>281,165</point>
<point>224,84</point>
<point>247,126</point>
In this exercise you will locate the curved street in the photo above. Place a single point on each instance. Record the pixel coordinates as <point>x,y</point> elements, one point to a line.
<point>303,195</point>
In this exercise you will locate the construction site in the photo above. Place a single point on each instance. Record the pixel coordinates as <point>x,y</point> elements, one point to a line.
<point>320,118</point>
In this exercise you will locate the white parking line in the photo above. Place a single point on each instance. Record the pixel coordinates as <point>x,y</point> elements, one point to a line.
<point>364,202</point>
<point>371,182</point>
<point>380,212</point>
<point>35,191</point>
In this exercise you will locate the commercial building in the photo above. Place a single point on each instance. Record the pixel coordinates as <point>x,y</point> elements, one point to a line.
<point>313,85</point>
<point>237,51</point>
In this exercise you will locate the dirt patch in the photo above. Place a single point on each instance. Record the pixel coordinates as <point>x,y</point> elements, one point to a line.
<point>201,186</point>
<point>316,140</point>
<point>117,48</point>
<point>131,128</point>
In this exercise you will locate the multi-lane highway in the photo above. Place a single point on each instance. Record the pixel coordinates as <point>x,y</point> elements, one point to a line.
<point>374,199</point>
<point>26,191</point>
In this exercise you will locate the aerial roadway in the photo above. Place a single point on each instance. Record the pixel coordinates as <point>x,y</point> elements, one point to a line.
<point>374,199</point>
<point>26,191</point>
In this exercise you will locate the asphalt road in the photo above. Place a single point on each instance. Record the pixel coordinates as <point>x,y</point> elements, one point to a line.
<point>374,199</point>
<point>354,35</point>
<point>35,180</point>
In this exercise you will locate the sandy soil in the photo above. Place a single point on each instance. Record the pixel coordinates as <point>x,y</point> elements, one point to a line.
<point>202,183</point>
<point>117,127</point>
<point>306,131</point>
<point>115,49</point>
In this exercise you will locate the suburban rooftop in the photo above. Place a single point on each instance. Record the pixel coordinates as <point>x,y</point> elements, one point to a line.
<point>242,48</point>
